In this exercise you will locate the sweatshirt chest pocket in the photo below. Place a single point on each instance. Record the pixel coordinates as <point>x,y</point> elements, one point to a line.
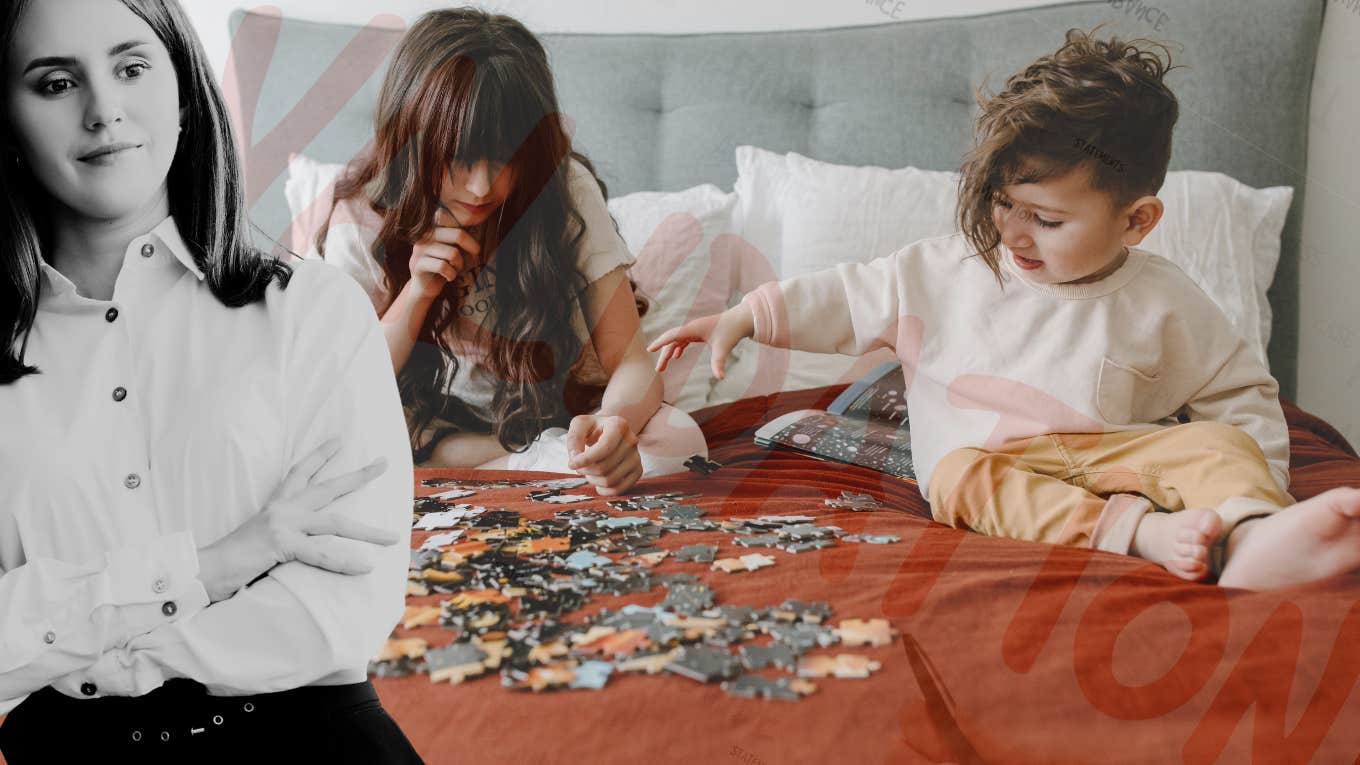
<point>1127,396</point>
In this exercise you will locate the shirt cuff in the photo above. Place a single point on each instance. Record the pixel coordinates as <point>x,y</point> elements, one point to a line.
<point>767,304</point>
<point>151,585</point>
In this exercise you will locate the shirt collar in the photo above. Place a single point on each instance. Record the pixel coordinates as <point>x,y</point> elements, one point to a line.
<point>54,284</point>
<point>166,233</point>
<point>164,236</point>
<point>1111,283</point>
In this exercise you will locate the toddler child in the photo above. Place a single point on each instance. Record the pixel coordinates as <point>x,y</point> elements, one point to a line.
<point>1065,386</point>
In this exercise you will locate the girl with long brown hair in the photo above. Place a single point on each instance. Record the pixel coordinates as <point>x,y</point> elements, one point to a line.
<point>484,242</point>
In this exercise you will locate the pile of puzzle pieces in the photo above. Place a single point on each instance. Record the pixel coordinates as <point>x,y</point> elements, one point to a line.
<point>511,580</point>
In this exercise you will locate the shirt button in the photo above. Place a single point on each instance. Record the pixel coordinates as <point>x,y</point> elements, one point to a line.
<point>50,637</point>
<point>88,689</point>
<point>132,481</point>
<point>169,608</point>
<point>159,586</point>
<point>111,315</point>
<point>119,393</point>
<point>148,250</point>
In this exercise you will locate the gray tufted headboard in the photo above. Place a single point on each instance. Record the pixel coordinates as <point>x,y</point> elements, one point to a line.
<point>660,112</point>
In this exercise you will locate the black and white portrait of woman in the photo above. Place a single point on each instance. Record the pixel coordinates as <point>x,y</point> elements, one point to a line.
<point>204,459</point>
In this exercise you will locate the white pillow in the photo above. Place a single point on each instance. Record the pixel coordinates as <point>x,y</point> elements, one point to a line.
<point>310,191</point>
<point>807,215</point>
<point>1225,236</point>
<point>686,262</point>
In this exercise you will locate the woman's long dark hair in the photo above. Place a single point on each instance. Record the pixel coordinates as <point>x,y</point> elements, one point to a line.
<point>466,86</point>
<point>204,185</point>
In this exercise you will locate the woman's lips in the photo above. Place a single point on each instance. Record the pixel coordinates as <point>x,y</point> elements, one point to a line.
<point>1027,264</point>
<point>107,154</point>
<point>475,208</point>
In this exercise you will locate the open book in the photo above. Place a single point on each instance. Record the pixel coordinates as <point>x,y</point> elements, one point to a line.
<point>866,425</point>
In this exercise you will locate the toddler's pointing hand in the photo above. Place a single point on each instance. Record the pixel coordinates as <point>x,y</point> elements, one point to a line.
<point>720,330</point>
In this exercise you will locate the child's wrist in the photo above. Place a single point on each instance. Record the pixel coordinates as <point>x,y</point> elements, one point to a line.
<point>415,298</point>
<point>744,319</point>
<point>408,310</point>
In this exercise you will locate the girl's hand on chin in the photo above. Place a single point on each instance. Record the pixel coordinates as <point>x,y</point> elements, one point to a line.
<point>603,449</point>
<point>442,256</point>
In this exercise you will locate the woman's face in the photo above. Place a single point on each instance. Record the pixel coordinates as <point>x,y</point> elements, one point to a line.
<point>95,104</point>
<point>473,192</point>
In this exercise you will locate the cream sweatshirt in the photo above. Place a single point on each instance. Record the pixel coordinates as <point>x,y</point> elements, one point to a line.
<point>986,365</point>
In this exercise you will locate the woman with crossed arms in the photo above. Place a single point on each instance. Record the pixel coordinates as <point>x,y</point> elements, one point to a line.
<point>206,471</point>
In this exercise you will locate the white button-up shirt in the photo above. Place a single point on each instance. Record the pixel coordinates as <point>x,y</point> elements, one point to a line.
<point>160,422</point>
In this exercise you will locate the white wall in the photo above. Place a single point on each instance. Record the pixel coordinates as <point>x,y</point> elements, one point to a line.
<point>1329,320</point>
<point>1329,363</point>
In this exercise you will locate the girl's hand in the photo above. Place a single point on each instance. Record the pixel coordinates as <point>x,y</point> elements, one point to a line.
<point>720,330</point>
<point>604,449</point>
<point>290,528</point>
<point>443,256</point>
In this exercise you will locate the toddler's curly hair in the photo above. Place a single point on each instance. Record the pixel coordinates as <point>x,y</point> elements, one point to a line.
<point>1099,104</point>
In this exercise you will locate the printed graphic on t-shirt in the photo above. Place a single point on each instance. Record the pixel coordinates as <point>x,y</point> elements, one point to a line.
<point>476,292</point>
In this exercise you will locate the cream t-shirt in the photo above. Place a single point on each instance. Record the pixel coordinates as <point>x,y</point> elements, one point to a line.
<point>985,365</point>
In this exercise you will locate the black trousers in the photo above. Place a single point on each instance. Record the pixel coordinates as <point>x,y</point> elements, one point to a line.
<point>179,722</point>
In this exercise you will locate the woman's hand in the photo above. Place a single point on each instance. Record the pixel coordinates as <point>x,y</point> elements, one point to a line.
<point>444,255</point>
<point>604,449</point>
<point>720,330</point>
<point>290,528</point>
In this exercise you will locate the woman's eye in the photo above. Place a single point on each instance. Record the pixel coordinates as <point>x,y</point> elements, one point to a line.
<point>135,69</point>
<point>55,86</point>
<point>1047,223</point>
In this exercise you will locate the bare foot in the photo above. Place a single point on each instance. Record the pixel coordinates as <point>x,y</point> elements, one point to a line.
<point>1314,539</point>
<point>1179,541</point>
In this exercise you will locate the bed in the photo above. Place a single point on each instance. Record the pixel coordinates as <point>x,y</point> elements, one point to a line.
<point>1008,651</point>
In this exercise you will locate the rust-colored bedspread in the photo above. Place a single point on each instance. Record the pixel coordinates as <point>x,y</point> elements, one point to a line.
<point>1012,652</point>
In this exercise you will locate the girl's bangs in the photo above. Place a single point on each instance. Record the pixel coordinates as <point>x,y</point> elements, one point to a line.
<point>500,114</point>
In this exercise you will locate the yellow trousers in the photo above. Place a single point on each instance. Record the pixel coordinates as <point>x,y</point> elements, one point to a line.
<point>1092,489</point>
